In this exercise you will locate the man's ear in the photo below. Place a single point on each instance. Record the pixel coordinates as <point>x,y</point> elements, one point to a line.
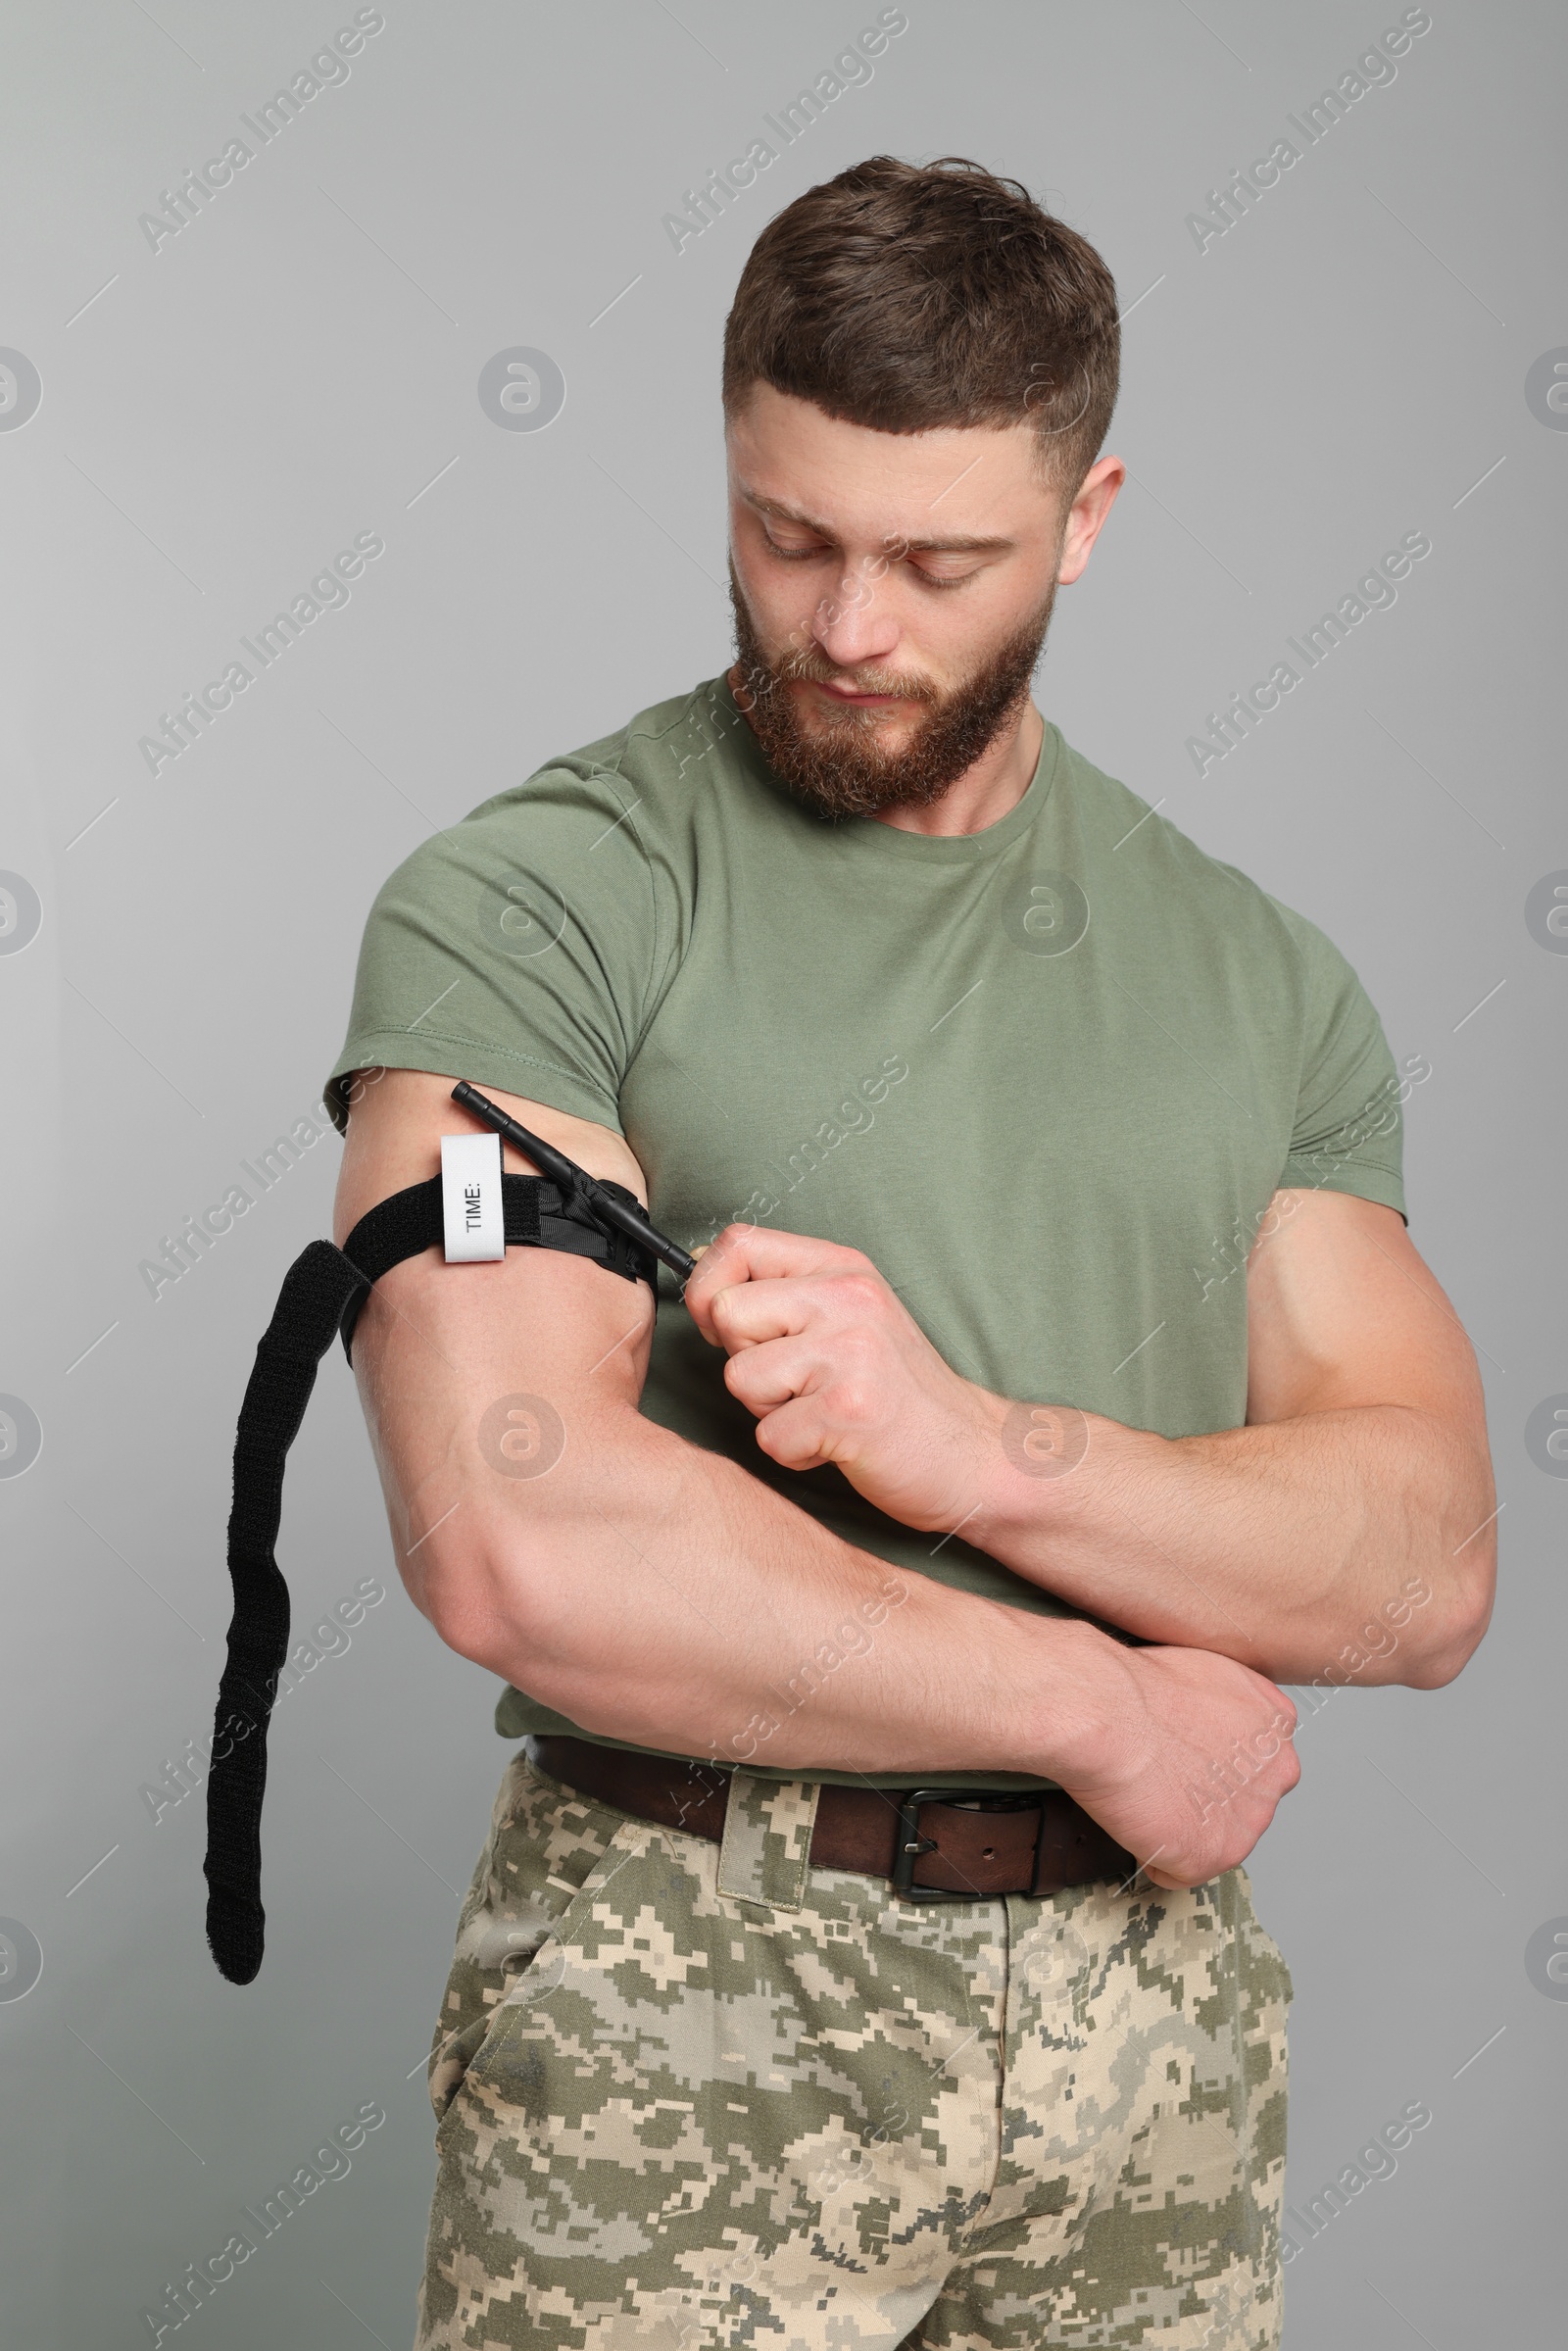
<point>1087,516</point>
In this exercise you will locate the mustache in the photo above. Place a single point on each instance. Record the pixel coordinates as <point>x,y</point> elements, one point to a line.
<point>809,669</point>
<point>808,665</point>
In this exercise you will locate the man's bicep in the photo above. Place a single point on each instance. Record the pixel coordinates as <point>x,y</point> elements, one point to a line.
<point>1343,1312</point>
<point>397,1119</point>
<point>484,1385</point>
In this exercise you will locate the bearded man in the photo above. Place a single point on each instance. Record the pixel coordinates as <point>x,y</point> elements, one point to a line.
<point>862,1953</point>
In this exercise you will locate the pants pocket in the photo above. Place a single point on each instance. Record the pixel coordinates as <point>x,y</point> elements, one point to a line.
<point>547,1850</point>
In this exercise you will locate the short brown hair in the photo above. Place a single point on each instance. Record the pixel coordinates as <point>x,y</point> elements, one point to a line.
<point>910,295</point>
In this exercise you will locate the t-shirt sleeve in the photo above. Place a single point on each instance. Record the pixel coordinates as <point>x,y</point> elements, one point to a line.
<point>1348,1134</point>
<point>521,948</point>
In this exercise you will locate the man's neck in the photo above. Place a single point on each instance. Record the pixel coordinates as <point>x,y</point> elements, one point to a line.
<point>986,792</point>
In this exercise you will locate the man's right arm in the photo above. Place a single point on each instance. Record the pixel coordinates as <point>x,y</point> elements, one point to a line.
<point>654,1591</point>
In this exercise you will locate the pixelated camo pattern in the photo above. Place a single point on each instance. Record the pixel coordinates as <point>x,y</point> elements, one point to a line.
<point>807,2115</point>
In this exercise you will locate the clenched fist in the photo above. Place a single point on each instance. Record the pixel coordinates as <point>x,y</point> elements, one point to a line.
<point>836,1369</point>
<point>1182,1754</point>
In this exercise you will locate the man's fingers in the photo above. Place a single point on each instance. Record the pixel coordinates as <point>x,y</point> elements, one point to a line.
<point>745,1253</point>
<point>766,1253</point>
<point>763,1378</point>
<point>793,1435</point>
<point>749,1314</point>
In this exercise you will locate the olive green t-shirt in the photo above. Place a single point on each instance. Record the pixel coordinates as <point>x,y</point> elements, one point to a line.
<point>1047,1076</point>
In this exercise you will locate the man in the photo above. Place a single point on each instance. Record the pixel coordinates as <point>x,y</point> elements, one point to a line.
<point>1059,1379</point>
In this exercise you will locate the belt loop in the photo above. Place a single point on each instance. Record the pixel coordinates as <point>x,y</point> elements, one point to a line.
<point>766,1847</point>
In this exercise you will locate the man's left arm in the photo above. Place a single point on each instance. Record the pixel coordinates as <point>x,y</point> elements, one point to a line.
<point>1345,1532</point>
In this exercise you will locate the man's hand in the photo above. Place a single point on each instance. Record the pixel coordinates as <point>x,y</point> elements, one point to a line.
<point>1183,1758</point>
<point>1347,1531</point>
<point>835,1369</point>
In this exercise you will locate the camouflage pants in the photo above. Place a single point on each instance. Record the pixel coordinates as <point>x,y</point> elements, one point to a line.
<point>695,2095</point>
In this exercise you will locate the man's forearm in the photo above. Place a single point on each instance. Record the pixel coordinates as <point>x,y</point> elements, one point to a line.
<point>1353,1541</point>
<point>667,1596</point>
<point>663,1596</point>
<point>1360,1484</point>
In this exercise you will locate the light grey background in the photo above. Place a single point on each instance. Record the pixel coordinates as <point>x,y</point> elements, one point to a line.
<point>301,363</point>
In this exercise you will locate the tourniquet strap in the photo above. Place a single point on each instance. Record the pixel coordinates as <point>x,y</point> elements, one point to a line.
<point>537,1214</point>
<point>323,1292</point>
<point>305,1322</point>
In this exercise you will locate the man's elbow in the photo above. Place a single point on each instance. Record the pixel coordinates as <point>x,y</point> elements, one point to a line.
<point>1462,1575</point>
<point>524,1580</point>
<point>1463,1611</point>
<point>488,1591</point>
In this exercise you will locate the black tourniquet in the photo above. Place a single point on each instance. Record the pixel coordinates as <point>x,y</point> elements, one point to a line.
<point>322,1296</point>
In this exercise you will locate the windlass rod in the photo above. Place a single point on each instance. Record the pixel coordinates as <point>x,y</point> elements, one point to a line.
<point>624,1215</point>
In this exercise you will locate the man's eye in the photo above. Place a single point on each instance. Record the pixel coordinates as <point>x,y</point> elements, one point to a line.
<point>927,579</point>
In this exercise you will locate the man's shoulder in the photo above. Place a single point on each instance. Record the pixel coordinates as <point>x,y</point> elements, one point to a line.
<point>660,758</point>
<point>1137,854</point>
<point>608,828</point>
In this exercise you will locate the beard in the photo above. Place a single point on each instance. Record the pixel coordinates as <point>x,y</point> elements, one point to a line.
<point>840,763</point>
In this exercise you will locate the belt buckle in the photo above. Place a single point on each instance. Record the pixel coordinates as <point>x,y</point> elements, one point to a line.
<point>910,1844</point>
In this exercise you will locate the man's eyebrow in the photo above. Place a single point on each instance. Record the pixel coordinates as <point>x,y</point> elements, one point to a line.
<point>954,544</point>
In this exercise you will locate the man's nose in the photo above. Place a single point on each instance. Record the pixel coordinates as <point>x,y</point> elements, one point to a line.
<point>855,624</point>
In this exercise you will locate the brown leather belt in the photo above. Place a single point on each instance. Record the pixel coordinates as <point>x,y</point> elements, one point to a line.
<point>927,1840</point>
